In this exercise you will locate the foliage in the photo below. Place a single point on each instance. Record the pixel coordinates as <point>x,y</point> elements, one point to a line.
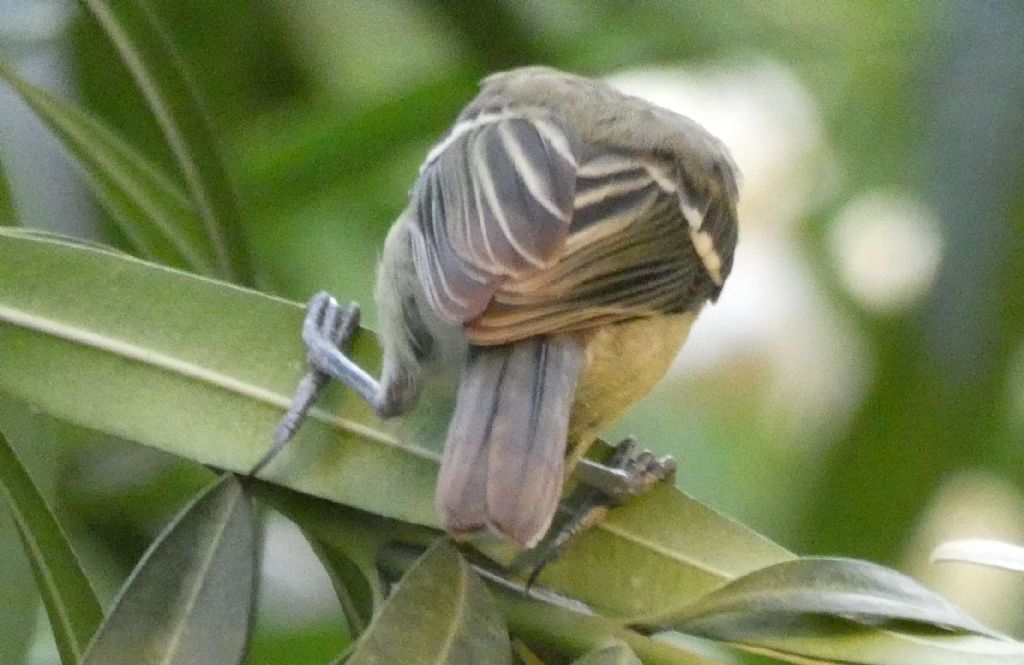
<point>142,337</point>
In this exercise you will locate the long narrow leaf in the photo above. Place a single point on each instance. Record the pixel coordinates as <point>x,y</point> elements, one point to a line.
<point>6,202</point>
<point>842,610</point>
<point>154,215</point>
<point>160,75</point>
<point>70,602</point>
<point>816,639</point>
<point>847,588</point>
<point>441,614</point>
<point>189,601</point>
<point>136,359</point>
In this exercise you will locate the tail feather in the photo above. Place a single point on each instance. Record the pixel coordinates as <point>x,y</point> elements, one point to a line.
<point>504,459</point>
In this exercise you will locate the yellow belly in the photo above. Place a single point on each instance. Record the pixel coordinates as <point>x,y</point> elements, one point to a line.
<point>623,363</point>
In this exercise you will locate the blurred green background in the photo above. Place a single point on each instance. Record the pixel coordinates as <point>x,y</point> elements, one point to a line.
<point>859,388</point>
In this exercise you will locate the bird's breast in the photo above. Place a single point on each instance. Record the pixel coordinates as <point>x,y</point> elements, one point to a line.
<point>623,363</point>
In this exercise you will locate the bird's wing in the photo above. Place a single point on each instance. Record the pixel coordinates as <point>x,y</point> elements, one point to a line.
<point>493,203</point>
<point>638,245</point>
<point>522,229</point>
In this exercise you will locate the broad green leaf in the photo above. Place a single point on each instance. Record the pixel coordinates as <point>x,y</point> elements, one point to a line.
<point>615,654</point>
<point>656,554</point>
<point>179,362</point>
<point>135,32</point>
<point>135,359</point>
<point>860,591</point>
<point>440,614</point>
<point>845,611</point>
<point>70,602</point>
<point>982,552</point>
<point>189,601</point>
<point>154,215</point>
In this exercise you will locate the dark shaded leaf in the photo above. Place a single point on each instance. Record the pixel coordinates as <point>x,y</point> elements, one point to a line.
<point>356,584</point>
<point>189,601</point>
<point>441,613</point>
<point>155,216</point>
<point>564,626</point>
<point>70,602</point>
<point>135,32</point>
<point>814,639</point>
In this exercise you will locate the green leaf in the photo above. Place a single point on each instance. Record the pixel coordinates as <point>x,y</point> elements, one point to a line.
<point>817,639</point>
<point>347,542</point>
<point>135,32</point>
<point>347,546</point>
<point>134,358</point>
<point>656,554</point>
<point>842,610</point>
<point>564,626</point>
<point>524,655</point>
<point>982,552</point>
<point>7,217</point>
<point>70,602</point>
<point>614,654</point>
<point>189,601</point>
<point>355,586</point>
<point>155,216</point>
<point>440,614</point>
<point>860,591</point>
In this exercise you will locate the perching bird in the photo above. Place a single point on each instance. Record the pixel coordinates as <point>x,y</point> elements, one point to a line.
<point>560,241</point>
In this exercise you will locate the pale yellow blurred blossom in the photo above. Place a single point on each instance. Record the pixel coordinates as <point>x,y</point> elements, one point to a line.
<point>886,248</point>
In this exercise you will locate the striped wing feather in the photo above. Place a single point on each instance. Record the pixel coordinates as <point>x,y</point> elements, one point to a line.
<point>493,203</point>
<point>523,230</point>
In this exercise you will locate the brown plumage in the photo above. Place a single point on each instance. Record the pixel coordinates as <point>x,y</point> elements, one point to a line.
<point>559,242</point>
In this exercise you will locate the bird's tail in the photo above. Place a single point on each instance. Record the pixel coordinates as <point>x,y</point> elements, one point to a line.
<point>504,458</point>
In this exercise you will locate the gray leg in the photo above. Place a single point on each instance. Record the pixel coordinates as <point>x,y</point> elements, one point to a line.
<point>325,331</point>
<point>603,486</point>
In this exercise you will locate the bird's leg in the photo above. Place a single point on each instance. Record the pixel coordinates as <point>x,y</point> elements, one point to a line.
<point>325,331</point>
<point>602,486</point>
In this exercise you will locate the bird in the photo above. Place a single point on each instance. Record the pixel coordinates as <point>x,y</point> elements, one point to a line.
<point>558,244</point>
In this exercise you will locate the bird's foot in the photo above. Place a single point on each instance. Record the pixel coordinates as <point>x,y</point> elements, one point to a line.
<point>602,487</point>
<point>326,329</point>
<point>625,474</point>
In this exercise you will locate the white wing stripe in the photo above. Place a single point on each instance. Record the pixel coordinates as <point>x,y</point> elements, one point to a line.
<point>594,194</point>
<point>462,128</point>
<point>485,180</point>
<point>525,170</point>
<point>556,139</point>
